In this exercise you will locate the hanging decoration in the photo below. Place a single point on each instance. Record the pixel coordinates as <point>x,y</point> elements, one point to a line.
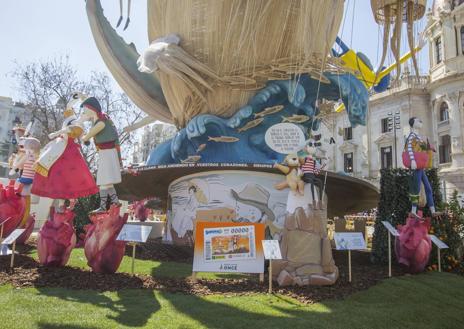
<point>392,14</point>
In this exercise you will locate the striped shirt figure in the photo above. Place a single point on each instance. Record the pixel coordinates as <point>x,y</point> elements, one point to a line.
<point>28,172</point>
<point>412,143</point>
<point>311,166</point>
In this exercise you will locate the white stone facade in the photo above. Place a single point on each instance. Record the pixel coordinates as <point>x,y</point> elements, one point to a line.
<point>438,99</point>
<point>152,136</point>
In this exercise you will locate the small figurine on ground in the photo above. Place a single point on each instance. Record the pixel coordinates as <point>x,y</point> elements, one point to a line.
<point>417,156</point>
<point>106,140</point>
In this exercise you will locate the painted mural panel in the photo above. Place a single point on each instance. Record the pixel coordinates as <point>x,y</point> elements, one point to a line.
<point>224,196</point>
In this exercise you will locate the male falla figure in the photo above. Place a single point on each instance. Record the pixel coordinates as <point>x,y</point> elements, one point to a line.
<point>417,156</point>
<point>106,140</point>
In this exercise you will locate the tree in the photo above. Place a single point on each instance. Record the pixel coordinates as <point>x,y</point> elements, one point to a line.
<point>46,86</point>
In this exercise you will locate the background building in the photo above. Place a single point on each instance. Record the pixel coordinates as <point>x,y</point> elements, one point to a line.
<point>438,99</point>
<point>11,113</point>
<point>152,136</point>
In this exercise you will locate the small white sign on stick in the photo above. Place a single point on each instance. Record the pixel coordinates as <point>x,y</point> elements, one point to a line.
<point>134,233</point>
<point>4,250</point>
<point>349,241</point>
<point>393,231</point>
<point>13,236</point>
<point>271,249</point>
<point>440,244</point>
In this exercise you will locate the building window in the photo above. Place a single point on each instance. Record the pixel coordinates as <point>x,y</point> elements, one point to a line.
<point>384,124</point>
<point>386,157</point>
<point>444,149</point>
<point>348,162</point>
<point>438,51</point>
<point>443,113</point>
<point>348,134</point>
<point>462,39</point>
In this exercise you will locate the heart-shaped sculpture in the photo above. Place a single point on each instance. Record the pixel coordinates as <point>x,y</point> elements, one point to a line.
<point>57,238</point>
<point>103,252</point>
<point>413,246</point>
<point>12,207</point>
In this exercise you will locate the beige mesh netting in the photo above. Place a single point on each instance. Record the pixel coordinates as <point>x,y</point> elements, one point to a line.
<point>229,48</point>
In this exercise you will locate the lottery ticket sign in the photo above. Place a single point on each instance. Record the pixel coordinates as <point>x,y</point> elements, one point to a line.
<point>228,247</point>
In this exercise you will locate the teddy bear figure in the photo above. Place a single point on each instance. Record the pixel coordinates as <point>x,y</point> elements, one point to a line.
<point>293,174</point>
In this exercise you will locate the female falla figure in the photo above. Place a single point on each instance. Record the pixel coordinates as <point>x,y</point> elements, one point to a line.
<point>106,140</point>
<point>417,156</point>
<point>61,171</point>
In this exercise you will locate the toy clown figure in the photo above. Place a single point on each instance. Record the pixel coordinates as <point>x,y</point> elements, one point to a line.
<point>106,140</point>
<point>417,156</point>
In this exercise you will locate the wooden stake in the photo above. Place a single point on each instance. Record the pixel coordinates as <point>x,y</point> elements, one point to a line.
<point>194,277</point>
<point>12,255</point>
<point>439,260</point>
<point>1,232</point>
<point>349,265</point>
<point>270,276</point>
<point>133,257</point>
<point>261,277</point>
<point>389,256</point>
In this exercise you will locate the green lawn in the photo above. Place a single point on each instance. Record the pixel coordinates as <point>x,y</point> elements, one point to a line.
<point>433,300</point>
<point>148,267</point>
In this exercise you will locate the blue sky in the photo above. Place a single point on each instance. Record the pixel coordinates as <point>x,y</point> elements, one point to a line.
<point>32,30</point>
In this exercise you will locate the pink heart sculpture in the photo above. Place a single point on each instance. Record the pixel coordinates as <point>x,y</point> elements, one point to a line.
<point>12,207</point>
<point>104,254</point>
<point>28,230</point>
<point>56,238</point>
<point>413,246</point>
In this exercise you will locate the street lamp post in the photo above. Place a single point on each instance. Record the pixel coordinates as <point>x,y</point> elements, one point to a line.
<point>394,123</point>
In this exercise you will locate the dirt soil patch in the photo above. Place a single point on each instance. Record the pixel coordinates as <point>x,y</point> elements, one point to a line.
<point>29,273</point>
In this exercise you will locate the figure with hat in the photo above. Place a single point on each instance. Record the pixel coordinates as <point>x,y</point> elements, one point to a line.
<point>61,171</point>
<point>106,140</point>
<point>252,207</point>
<point>312,167</point>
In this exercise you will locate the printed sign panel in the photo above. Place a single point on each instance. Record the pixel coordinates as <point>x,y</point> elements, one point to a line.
<point>228,247</point>
<point>13,236</point>
<point>134,233</point>
<point>390,228</point>
<point>440,244</point>
<point>233,196</point>
<point>284,138</point>
<point>349,241</point>
<point>271,249</point>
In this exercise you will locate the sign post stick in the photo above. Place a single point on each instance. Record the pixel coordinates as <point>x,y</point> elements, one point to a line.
<point>270,276</point>
<point>389,256</point>
<point>439,260</point>
<point>261,277</point>
<point>12,255</point>
<point>133,257</point>
<point>1,232</point>
<point>349,265</point>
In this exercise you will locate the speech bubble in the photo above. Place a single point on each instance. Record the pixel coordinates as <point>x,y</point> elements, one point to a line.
<point>284,138</point>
